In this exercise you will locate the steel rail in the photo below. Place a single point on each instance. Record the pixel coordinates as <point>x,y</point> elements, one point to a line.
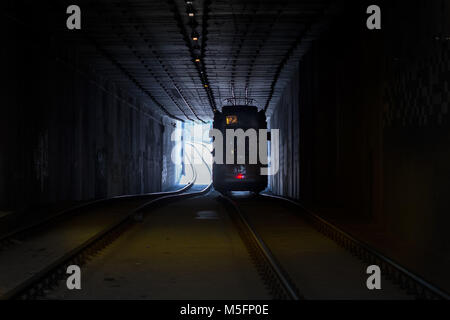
<point>274,276</point>
<point>20,232</point>
<point>48,277</point>
<point>198,152</point>
<point>142,210</point>
<point>407,280</point>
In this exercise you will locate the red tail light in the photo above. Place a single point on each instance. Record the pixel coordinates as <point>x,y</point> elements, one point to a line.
<point>240,176</point>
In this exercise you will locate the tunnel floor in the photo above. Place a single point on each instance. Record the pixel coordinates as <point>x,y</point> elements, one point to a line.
<point>428,262</point>
<point>190,249</point>
<point>321,268</point>
<point>29,255</point>
<point>187,250</point>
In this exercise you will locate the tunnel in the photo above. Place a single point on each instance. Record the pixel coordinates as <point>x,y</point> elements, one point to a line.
<point>106,150</point>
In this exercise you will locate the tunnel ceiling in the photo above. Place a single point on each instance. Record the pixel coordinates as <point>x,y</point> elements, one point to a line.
<point>148,48</point>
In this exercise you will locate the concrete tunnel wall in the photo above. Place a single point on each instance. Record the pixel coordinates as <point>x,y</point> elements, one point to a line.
<point>69,134</point>
<point>365,125</point>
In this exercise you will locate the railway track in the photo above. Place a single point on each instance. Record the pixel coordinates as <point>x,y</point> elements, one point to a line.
<point>411,283</point>
<point>283,287</point>
<point>273,275</point>
<point>11,238</point>
<point>398,275</point>
<point>41,282</point>
<point>278,282</point>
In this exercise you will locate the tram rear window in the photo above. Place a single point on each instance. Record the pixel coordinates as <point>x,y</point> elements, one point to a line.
<point>231,120</point>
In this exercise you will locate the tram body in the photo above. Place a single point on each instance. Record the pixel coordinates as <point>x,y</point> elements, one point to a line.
<point>247,176</point>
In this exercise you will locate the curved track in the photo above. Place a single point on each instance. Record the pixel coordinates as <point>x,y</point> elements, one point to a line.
<point>191,248</point>
<point>10,238</point>
<point>42,280</point>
